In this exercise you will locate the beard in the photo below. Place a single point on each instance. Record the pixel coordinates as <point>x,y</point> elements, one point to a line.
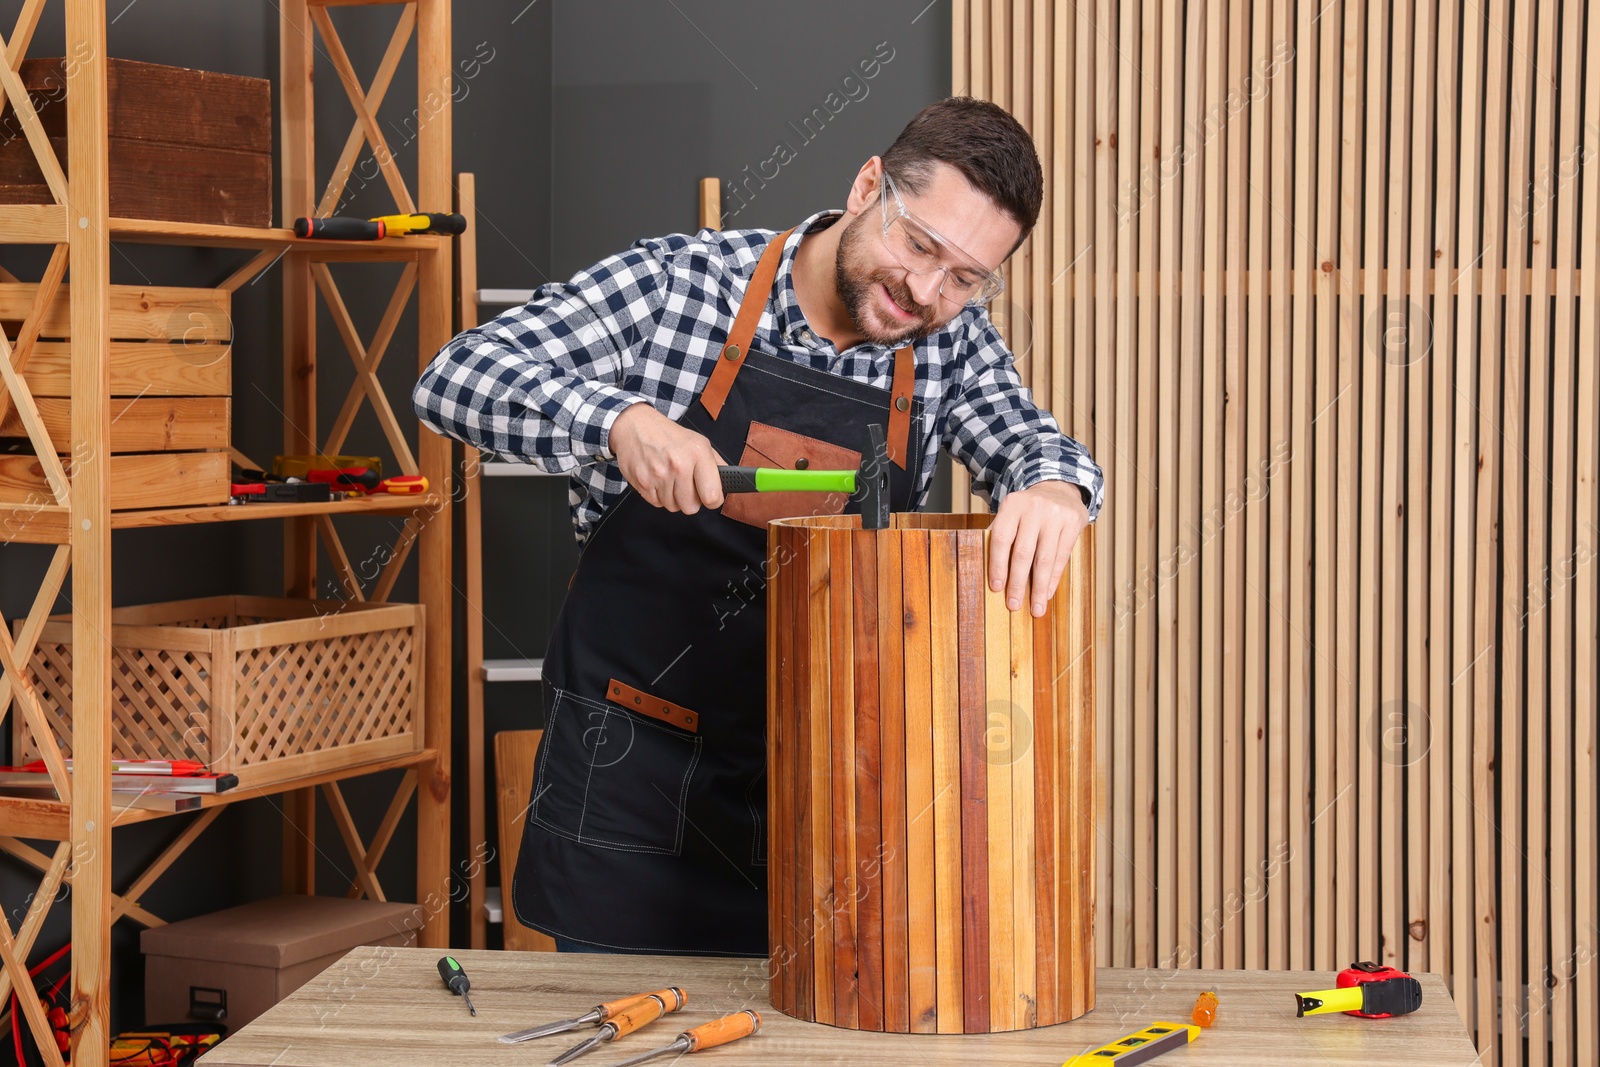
<point>858,280</point>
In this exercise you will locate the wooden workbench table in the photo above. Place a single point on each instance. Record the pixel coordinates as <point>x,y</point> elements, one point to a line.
<point>388,1006</point>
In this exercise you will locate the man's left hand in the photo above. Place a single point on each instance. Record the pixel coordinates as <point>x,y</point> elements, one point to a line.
<point>1031,540</point>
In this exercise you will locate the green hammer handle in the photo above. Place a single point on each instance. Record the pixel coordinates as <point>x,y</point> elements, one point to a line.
<point>777,479</point>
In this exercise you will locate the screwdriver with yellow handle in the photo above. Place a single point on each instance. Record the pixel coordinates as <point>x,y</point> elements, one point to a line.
<point>673,997</point>
<point>339,228</point>
<point>706,1035</point>
<point>623,1023</point>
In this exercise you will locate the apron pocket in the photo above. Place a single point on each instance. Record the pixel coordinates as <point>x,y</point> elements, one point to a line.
<point>771,446</point>
<point>610,778</point>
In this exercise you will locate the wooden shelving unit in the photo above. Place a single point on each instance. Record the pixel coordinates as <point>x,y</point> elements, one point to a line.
<point>79,520</point>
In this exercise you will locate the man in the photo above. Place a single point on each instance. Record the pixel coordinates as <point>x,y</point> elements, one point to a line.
<point>645,830</point>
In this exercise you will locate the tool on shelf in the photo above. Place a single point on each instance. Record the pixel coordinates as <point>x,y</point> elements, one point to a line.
<point>673,997</point>
<point>1205,1009</point>
<point>360,479</point>
<point>1141,1046</point>
<point>338,228</point>
<point>365,480</point>
<point>649,1008</point>
<point>871,480</point>
<point>125,779</point>
<point>455,979</point>
<point>1370,990</point>
<point>280,492</point>
<point>419,222</point>
<point>403,484</point>
<point>356,474</point>
<point>706,1035</point>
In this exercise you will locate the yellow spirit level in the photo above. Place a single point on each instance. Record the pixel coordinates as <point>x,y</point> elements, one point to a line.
<point>1141,1046</point>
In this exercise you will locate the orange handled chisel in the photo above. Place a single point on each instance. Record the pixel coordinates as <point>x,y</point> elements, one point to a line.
<point>621,1024</point>
<point>673,997</point>
<point>706,1035</point>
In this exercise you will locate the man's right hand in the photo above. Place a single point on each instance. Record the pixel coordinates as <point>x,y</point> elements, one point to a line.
<point>671,467</point>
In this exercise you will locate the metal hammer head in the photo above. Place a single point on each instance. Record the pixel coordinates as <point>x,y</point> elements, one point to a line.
<point>872,481</point>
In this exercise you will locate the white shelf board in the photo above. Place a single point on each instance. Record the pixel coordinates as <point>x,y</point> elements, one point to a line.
<point>508,297</point>
<point>502,469</point>
<point>513,670</point>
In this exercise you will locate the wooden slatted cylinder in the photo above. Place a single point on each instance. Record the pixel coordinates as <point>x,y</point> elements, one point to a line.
<point>932,782</point>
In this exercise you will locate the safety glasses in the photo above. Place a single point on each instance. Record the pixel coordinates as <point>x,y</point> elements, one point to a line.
<point>918,248</point>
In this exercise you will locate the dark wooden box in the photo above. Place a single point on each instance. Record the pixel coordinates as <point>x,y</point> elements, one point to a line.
<point>185,145</point>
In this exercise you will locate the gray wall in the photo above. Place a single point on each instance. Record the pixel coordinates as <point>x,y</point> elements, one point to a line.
<point>648,97</point>
<point>652,96</point>
<point>588,124</point>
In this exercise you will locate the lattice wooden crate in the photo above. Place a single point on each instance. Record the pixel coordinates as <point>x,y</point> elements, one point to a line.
<point>263,687</point>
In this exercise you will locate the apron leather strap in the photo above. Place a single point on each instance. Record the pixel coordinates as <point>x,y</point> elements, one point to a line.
<point>715,394</point>
<point>732,360</point>
<point>904,384</point>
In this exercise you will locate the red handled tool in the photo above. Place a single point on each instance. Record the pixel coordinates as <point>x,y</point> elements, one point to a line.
<point>359,478</point>
<point>673,997</point>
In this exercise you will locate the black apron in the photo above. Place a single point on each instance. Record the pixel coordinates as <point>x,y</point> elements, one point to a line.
<point>646,828</point>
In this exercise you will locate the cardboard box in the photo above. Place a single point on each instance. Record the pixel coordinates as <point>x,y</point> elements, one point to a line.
<point>232,965</point>
<point>185,145</point>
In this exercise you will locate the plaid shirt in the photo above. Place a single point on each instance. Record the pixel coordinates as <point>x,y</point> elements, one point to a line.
<point>543,383</point>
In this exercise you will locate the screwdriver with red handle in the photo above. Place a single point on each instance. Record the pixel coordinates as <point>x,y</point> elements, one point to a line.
<point>673,997</point>
<point>623,1023</point>
<point>706,1035</point>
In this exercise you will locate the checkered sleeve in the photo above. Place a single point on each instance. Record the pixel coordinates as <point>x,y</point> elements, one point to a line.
<point>1005,440</point>
<point>542,383</point>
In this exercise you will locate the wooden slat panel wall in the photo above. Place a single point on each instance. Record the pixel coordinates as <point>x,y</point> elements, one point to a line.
<point>1318,283</point>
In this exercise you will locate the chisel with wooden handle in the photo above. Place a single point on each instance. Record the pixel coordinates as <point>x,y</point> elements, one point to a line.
<point>623,1023</point>
<point>706,1035</point>
<point>673,997</point>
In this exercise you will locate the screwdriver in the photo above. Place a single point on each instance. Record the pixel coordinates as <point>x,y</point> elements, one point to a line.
<point>623,1023</point>
<point>422,222</point>
<point>672,996</point>
<point>706,1035</point>
<point>456,979</point>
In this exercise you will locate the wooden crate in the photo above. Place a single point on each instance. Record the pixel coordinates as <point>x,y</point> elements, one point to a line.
<point>931,759</point>
<point>185,145</point>
<point>263,687</point>
<point>171,409</point>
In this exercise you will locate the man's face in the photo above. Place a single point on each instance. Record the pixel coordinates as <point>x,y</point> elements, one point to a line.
<point>885,301</point>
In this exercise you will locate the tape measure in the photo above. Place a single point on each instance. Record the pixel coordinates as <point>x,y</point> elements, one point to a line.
<point>1141,1046</point>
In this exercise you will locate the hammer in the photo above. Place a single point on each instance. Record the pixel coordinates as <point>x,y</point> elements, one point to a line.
<point>871,480</point>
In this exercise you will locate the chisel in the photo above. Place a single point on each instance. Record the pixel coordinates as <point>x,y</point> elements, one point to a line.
<point>706,1035</point>
<point>621,1024</point>
<point>672,996</point>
